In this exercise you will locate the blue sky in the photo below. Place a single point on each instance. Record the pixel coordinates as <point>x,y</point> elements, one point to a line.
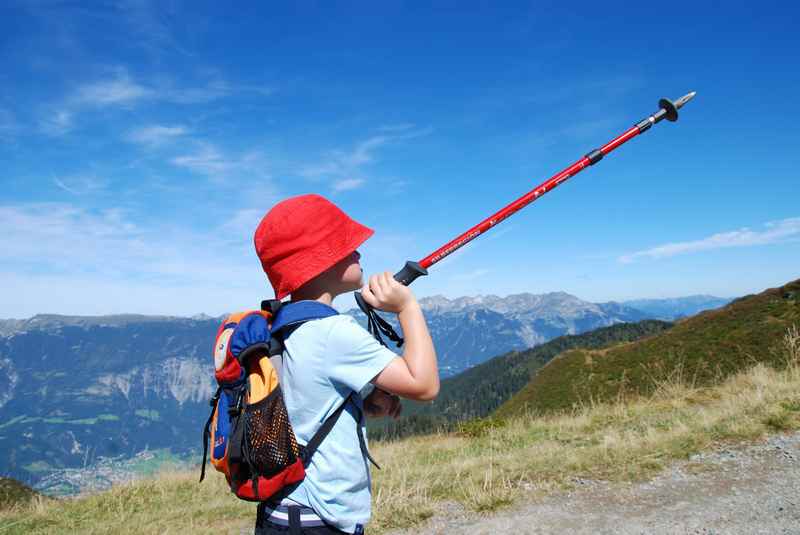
<point>142,142</point>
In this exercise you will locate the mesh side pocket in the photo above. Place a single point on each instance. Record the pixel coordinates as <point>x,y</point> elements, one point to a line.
<point>270,440</point>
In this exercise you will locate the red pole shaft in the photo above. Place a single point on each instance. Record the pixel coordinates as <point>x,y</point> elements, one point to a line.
<point>459,242</point>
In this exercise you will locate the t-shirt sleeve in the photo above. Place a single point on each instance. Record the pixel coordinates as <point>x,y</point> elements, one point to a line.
<point>355,356</point>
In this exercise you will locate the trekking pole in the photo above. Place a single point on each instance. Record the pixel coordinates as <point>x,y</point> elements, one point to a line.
<point>412,270</point>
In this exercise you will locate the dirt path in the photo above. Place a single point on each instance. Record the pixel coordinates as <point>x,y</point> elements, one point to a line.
<point>745,490</point>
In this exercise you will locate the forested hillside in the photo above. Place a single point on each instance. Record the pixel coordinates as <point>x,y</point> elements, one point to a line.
<point>700,350</point>
<point>480,390</point>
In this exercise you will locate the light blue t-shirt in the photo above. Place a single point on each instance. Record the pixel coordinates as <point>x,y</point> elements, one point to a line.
<point>324,361</point>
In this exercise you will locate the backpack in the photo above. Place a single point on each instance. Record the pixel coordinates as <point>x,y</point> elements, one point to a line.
<point>251,438</point>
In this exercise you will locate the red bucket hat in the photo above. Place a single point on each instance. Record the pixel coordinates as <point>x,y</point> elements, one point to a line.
<point>303,236</point>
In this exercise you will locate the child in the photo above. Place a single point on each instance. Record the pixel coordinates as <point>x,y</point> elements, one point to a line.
<point>307,247</point>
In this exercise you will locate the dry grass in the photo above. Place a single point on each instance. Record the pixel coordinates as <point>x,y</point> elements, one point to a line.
<point>791,347</point>
<point>172,503</point>
<point>619,441</point>
<point>486,467</point>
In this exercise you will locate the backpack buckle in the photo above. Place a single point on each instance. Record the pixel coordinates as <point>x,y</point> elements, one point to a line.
<point>271,305</point>
<point>233,410</point>
<point>275,347</point>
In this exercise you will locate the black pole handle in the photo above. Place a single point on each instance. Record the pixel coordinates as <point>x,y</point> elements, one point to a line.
<point>410,272</point>
<point>377,325</point>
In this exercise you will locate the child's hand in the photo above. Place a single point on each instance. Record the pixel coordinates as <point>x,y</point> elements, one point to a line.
<point>380,403</point>
<point>385,293</point>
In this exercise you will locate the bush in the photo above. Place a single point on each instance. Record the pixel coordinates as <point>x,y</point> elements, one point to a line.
<point>479,427</point>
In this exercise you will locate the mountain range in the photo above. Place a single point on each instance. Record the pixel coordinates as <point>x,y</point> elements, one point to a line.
<point>474,329</point>
<point>74,390</point>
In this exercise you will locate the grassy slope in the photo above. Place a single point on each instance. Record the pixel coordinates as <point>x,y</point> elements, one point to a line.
<point>14,493</point>
<point>478,391</point>
<point>524,458</point>
<point>703,349</point>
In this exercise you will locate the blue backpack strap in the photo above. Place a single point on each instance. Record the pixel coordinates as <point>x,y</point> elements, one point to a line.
<point>294,314</point>
<point>290,316</point>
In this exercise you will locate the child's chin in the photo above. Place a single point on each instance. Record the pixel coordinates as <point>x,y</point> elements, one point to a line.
<point>353,286</point>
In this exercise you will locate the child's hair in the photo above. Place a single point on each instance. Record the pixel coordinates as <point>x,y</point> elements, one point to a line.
<point>303,236</point>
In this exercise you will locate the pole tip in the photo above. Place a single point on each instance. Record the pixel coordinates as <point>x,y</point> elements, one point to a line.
<point>684,99</point>
<point>671,108</point>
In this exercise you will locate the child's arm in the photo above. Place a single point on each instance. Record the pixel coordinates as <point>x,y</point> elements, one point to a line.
<point>416,375</point>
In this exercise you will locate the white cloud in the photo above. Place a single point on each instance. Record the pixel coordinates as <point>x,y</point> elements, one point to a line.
<point>57,123</point>
<point>59,118</point>
<point>211,161</point>
<point>118,90</point>
<point>213,90</point>
<point>774,232</point>
<point>147,25</point>
<point>60,183</point>
<point>338,162</point>
<point>122,89</point>
<point>106,253</point>
<point>362,153</point>
<point>347,184</point>
<point>207,160</point>
<point>244,221</point>
<point>344,167</point>
<point>65,259</point>
<point>61,234</point>
<point>156,135</point>
<point>80,185</point>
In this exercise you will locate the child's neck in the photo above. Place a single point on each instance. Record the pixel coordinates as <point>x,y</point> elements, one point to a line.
<point>325,297</point>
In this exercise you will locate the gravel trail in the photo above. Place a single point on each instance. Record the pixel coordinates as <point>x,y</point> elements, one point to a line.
<point>752,489</point>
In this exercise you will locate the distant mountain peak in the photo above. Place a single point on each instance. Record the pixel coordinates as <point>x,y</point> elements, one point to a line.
<point>510,303</point>
<point>58,321</point>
